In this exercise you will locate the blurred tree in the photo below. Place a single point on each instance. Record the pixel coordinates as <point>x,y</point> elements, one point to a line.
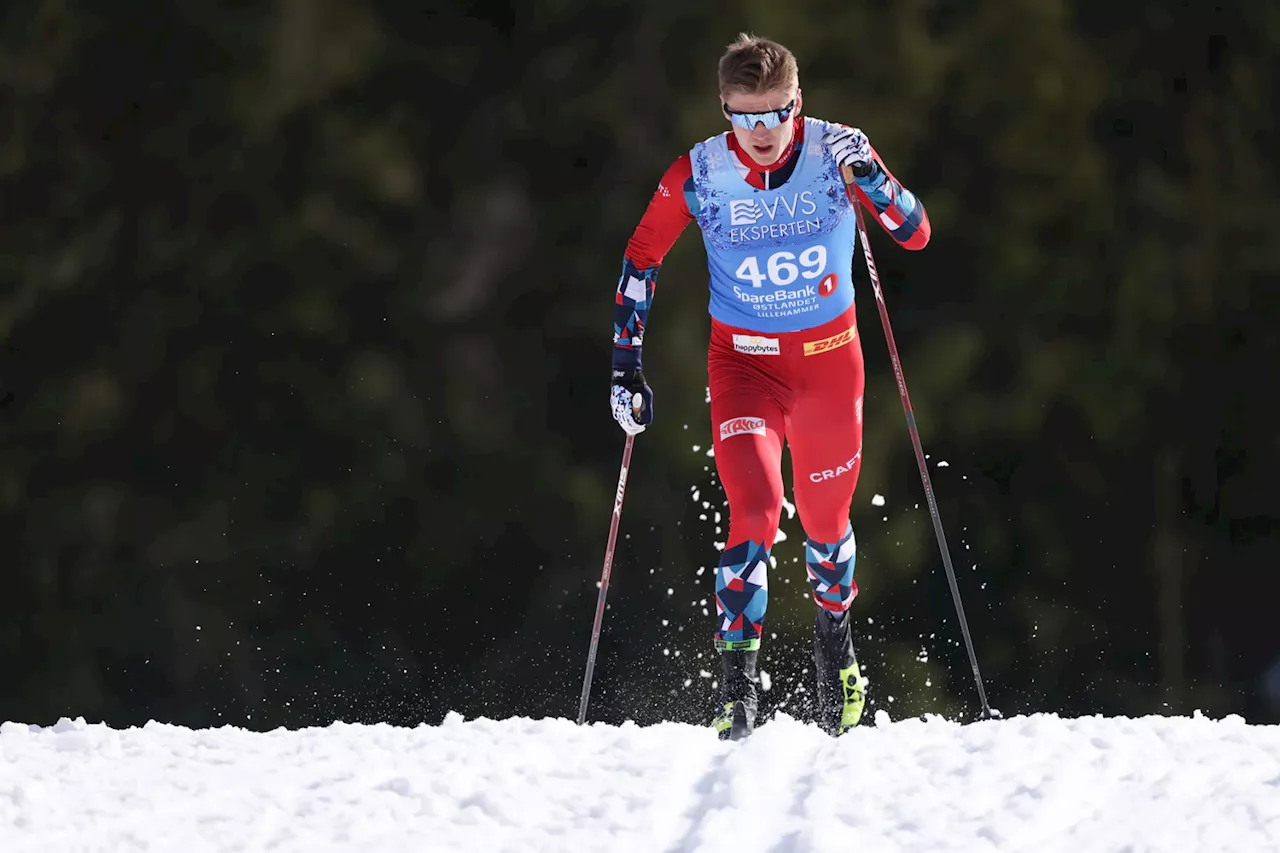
<point>305,305</point>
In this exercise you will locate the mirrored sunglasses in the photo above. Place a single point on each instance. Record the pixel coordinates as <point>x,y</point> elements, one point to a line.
<point>771,119</point>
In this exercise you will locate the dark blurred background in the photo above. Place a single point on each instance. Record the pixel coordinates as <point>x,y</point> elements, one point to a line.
<point>305,320</point>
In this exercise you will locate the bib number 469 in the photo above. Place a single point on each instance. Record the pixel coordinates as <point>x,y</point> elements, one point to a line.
<point>781,268</point>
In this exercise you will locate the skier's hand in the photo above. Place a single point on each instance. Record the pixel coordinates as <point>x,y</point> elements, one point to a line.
<point>631,400</point>
<point>850,147</point>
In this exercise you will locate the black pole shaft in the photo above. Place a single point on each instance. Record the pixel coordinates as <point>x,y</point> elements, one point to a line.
<point>604,579</point>
<point>915,441</point>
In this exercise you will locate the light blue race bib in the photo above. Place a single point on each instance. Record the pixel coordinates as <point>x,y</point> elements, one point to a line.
<point>781,260</point>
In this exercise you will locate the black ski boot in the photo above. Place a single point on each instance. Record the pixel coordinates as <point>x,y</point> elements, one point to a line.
<point>737,717</point>
<point>841,687</point>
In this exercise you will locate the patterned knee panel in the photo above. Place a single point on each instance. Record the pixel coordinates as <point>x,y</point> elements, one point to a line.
<point>742,595</point>
<point>831,572</point>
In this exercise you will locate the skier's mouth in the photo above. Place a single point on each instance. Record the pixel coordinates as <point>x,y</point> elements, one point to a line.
<point>762,149</point>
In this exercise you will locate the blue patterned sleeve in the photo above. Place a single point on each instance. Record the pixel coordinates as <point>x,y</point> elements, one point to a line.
<point>664,220</point>
<point>899,212</point>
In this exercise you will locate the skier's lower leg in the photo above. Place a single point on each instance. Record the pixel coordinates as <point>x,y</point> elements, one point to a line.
<point>742,595</point>
<point>841,689</point>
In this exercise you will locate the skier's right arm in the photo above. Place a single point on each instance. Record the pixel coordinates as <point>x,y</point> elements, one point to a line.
<point>664,220</point>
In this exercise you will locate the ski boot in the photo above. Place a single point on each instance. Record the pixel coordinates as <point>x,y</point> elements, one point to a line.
<point>841,687</point>
<point>737,717</point>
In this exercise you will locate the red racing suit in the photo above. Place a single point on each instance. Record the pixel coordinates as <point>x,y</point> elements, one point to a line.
<point>801,387</point>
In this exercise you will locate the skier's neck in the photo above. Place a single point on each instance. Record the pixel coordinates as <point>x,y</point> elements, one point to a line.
<point>784,157</point>
<point>776,173</point>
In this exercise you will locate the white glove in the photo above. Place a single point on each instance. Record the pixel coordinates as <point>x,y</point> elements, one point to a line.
<point>625,404</point>
<point>850,147</point>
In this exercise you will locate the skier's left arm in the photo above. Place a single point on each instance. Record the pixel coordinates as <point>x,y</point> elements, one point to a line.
<point>899,212</point>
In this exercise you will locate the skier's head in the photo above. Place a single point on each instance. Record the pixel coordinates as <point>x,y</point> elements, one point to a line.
<point>758,75</point>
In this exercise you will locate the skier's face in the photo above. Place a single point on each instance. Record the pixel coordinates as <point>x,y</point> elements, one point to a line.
<point>763,143</point>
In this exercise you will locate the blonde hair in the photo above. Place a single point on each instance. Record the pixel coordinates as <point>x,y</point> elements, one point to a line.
<point>753,65</point>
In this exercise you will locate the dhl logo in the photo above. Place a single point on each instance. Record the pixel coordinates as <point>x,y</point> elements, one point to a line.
<point>833,342</point>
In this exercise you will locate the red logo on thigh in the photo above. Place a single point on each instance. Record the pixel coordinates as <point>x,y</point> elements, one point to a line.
<point>742,426</point>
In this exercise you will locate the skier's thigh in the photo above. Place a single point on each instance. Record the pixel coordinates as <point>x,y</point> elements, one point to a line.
<point>748,428</point>
<point>826,454</point>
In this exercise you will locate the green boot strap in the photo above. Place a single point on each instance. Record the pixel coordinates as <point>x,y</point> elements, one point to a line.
<point>854,697</point>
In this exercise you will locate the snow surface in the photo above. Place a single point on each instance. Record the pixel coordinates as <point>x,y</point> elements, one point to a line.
<point>1038,783</point>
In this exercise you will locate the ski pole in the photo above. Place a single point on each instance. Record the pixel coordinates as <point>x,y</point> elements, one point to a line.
<point>847,173</point>
<point>604,578</point>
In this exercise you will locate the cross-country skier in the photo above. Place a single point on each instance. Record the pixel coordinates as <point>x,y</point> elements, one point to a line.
<point>784,361</point>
